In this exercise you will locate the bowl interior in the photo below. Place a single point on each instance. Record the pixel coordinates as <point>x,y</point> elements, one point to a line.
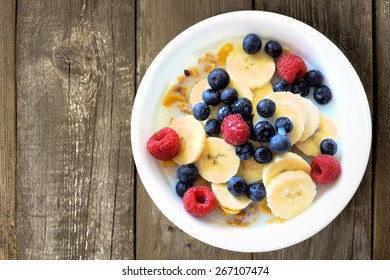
<point>349,108</point>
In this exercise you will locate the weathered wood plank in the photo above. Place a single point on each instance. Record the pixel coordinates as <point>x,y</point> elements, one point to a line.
<point>7,130</point>
<point>157,23</point>
<point>75,81</point>
<point>348,24</point>
<point>381,246</point>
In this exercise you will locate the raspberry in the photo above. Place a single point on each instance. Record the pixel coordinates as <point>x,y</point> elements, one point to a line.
<point>291,67</point>
<point>235,130</point>
<point>199,201</point>
<point>325,169</point>
<point>164,144</point>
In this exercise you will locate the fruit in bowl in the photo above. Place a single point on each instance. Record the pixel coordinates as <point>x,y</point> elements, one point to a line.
<point>239,102</point>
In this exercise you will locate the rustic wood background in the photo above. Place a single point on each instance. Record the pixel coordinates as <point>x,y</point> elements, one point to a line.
<point>68,77</point>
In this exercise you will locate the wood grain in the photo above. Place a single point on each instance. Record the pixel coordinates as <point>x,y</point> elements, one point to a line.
<point>75,172</point>
<point>157,23</point>
<point>348,24</point>
<point>68,73</point>
<point>7,130</point>
<point>381,234</point>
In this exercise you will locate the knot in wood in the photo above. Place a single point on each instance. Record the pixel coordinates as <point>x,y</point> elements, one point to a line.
<point>77,67</point>
<point>70,60</point>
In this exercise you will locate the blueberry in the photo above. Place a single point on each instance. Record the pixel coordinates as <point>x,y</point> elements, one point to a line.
<point>245,151</point>
<point>328,146</point>
<point>262,155</point>
<point>242,106</point>
<point>229,95</point>
<point>266,108</point>
<point>187,173</point>
<point>213,127</point>
<point>211,97</point>
<point>223,112</point>
<point>218,79</point>
<point>273,49</point>
<point>322,95</point>
<point>280,143</point>
<point>314,78</point>
<point>284,123</point>
<point>256,192</point>
<point>300,87</point>
<point>201,111</point>
<point>264,130</point>
<point>281,86</point>
<point>182,187</point>
<point>237,186</point>
<point>251,44</point>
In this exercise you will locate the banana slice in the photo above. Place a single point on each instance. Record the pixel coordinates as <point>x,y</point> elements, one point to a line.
<point>309,114</point>
<point>229,203</point>
<point>192,138</point>
<point>263,91</point>
<point>259,94</point>
<point>226,211</point>
<point>290,106</point>
<point>288,97</point>
<point>197,90</point>
<point>255,70</point>
<point>281,163</point>
<point>312,119</point>
<point>326,129</point>
<point>290,193</point>
<point>250,170</point>
<point>218,161</point>
<point>242,89</point>
<point>200,87</point>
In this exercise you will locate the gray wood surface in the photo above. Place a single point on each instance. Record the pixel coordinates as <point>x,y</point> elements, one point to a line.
<point>381,234</point>
<point>7,130</point>
<point>75,80</point>
<point>68,75</point>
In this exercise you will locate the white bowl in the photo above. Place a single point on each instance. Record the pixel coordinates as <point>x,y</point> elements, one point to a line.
<point>349,108</point>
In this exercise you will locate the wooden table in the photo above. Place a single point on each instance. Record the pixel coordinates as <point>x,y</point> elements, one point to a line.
<point>69,71</point>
